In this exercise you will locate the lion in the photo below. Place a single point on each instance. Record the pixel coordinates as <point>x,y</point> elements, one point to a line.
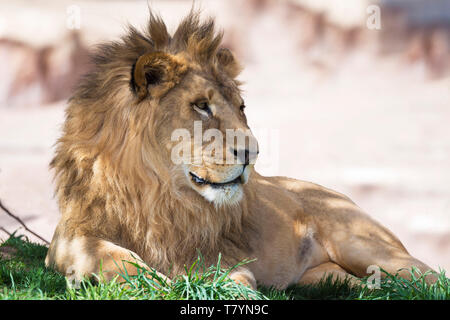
<point>122,196</point>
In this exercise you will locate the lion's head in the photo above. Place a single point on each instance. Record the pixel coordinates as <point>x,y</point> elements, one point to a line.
<point>170,107</point>
<point>199,120</point>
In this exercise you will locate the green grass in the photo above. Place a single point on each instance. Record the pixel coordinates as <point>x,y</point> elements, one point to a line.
<point>24,276</point>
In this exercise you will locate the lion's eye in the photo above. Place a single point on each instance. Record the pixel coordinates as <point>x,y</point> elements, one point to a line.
<point>202,105</point>
<point>202,108</point>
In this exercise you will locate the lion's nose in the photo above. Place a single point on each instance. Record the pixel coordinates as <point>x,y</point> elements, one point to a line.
<point>245,156</point>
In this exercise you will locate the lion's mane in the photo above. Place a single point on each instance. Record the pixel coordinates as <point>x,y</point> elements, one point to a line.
<point>109,176</point>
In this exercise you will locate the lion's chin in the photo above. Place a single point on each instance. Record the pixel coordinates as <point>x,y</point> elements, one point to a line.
<point>220,194</point>
<point>227,195</point>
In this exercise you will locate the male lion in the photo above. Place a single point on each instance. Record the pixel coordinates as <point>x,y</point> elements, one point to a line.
<point>123,197</point>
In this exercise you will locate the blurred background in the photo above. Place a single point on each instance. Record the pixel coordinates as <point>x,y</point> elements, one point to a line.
<point>351,94</point>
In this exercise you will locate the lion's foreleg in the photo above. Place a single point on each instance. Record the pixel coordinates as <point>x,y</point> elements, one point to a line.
<point>82,257</point>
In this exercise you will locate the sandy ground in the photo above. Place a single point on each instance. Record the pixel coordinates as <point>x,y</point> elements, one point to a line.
<point>369,127</point>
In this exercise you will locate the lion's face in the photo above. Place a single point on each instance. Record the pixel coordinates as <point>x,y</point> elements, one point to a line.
<point>206,137</point>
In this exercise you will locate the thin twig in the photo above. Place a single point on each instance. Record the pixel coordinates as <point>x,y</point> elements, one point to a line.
<point>21,222</point>
<point>5,231</point>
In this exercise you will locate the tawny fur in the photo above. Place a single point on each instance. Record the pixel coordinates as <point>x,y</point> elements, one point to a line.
<point>119,193</point>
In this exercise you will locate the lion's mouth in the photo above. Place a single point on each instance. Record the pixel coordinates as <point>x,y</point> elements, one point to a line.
<point>200,181</point>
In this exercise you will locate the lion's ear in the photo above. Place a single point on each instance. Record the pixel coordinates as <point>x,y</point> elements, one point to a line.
<point>155,73</point>
<point>228,62</point>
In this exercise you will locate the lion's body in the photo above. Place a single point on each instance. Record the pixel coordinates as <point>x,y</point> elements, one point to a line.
<point>119,196</point>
